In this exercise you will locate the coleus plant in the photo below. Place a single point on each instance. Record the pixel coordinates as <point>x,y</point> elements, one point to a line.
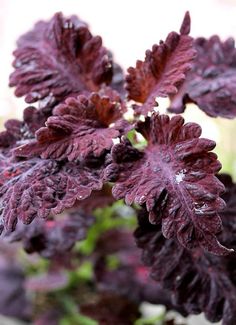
<point>74,151</point>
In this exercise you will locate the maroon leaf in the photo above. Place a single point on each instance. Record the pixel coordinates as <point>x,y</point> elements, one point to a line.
<point>163,70</point>
<point>33,120</point>
<point>98,199</point>
<point>59,58</point>
<point>229,195</point>
<point>112,309</point>
<point>211,84</point>
<point>174,178</point>
<point>18,131</point>
<point>79,128</point>
<point>38,188</point>
<point>12,134</point>
<point>198,281</point>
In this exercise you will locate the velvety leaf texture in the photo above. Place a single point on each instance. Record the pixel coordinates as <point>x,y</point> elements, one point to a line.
<point>54,236</point>
<point>211,83</point>
<point>78,128</point>
<point>199,281</point>
<point>163,70</point>
<point>59,58</point>
<point>38,188</point>
<point>174,178</point>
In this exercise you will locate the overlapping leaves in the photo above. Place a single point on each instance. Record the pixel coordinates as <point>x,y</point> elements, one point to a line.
<point>52,237</point>
<point>17,132</point>
<point>199,281</point>
<point>40,187</point>
<point>59,58</point>
<point>174,178</point>
<point>211,83</point>
<point>78,128</point>
<point>57,156</point>
<point>163,70</point>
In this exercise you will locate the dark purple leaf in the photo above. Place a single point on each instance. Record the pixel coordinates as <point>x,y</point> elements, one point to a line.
<point>53,237</point>
<point>12,134</point>
<point>211,83</point>
<point>98,199</point>
<point>229,195</point>
<point>174,178</point>
<point>33,120</point>
<point>59,58</point>
<point>13,299</point>
<point>163,70</point>
<point>198,281</point>
<point>78,128</point>
<point>17,132</point>
<point>38,188</point>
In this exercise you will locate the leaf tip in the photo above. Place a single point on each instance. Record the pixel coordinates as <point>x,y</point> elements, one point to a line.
<point>186,24</point>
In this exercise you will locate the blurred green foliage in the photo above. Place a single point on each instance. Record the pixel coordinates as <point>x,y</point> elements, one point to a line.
<point>116,216</point>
